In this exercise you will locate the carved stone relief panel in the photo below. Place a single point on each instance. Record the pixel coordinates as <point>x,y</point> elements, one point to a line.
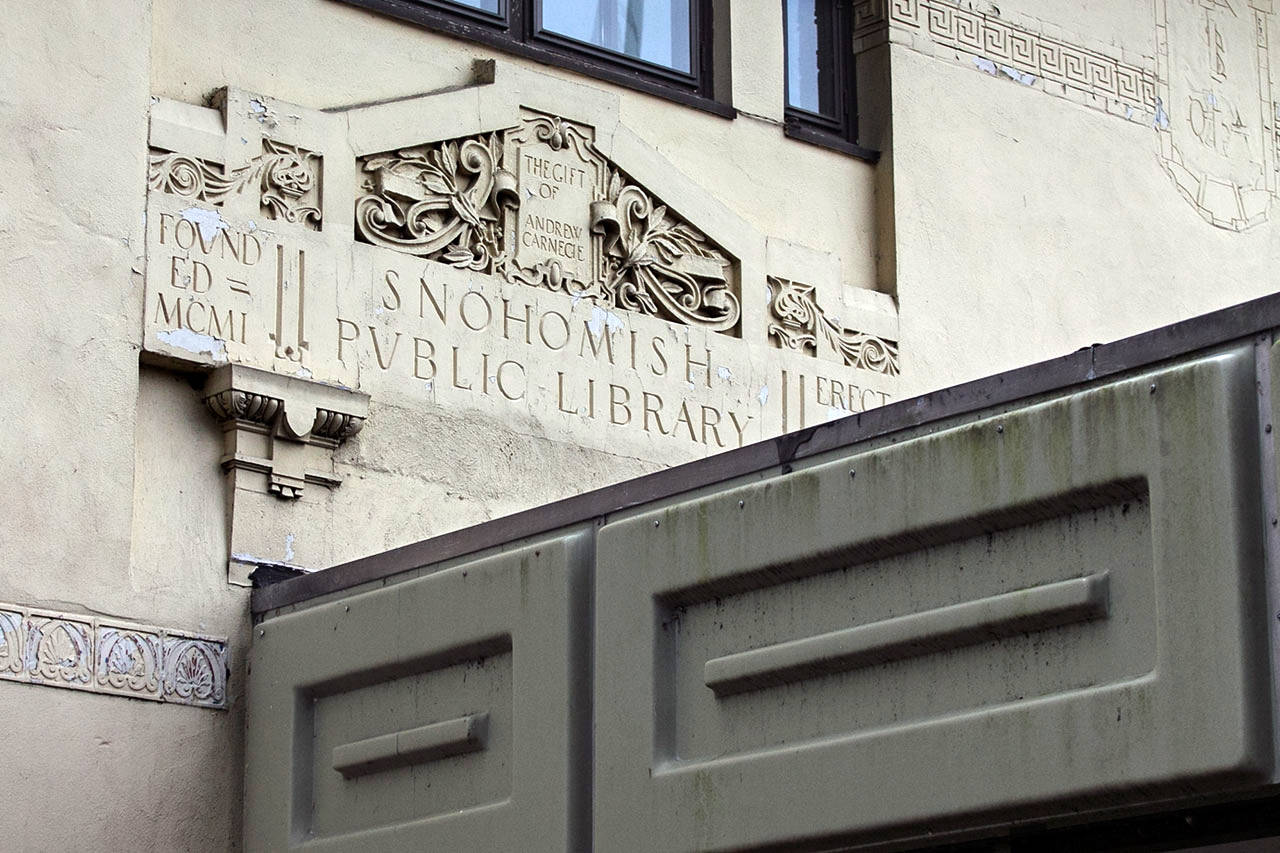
<point>799,323</point>
<point>545,209</point>
<point>285,177</point>
<point>509,262</point>
<point>441,201</point>
<point>1216,117</point>
<point>109,656</point>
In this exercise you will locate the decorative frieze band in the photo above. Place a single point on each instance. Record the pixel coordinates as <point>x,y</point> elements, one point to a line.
<point>109,656</point>
<point>999,46</point>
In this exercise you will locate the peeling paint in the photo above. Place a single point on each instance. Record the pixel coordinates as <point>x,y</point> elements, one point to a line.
<point>194,342</point>
<point>303,373</point>
<point>1162,117</point>
<point>288,547</point>
<point>602,319</point>
<point>985,65</point>
<point>1018,76</point>
<point>724,373</point>
<point>763,396</point>
<point>210,222</point>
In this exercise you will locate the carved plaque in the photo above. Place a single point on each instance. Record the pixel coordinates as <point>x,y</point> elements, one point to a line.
<point>559,180</point>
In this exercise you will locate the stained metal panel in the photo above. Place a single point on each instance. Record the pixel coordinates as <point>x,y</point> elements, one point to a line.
<point>1058,608</point>
<point>448,711</point>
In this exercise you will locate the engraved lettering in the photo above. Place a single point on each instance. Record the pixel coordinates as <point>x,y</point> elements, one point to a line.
<point>377,348</point>
<point>564,325</point>
<point>437,304</point>
<point>502,383</point>
<point>690,362</point>
<point>605,341</point>
<point>652,406</point>
<point>391,300</point>
<point>343,338</point>
<point>462,311</point>
<point>428,358</point>
<point>508,318</point>
<point>615,404</point>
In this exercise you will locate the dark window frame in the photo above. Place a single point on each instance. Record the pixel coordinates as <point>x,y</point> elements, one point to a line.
<point>838,131</point>
<point>516,30</point>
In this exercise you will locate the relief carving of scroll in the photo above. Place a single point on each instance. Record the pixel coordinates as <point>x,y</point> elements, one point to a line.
<point>442,202</point>
<point>540,206</point>
<point>656,264</point>
<point>796,321</point>
<point>286,176</point>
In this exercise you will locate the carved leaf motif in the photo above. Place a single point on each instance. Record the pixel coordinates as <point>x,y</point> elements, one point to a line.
<point>284,174</point>
<point>798,318</point>
<point>440,202</point>
<point>194,675</point>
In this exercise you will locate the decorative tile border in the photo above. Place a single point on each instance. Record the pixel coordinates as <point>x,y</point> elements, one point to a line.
<point>999,46</point>
<point>106,656</point>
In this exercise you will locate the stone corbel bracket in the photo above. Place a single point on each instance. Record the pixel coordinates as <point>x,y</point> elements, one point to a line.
<point>281,427</point>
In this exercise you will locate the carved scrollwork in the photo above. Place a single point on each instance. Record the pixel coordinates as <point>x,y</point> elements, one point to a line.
<point>657,264</point>
<point>442,201</point>
<point>286,177</point>
<point>610,241</point>
<point>798,319</point>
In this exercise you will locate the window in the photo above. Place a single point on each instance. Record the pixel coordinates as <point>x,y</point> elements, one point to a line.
<point>663,47</point>
<point>819,73</point>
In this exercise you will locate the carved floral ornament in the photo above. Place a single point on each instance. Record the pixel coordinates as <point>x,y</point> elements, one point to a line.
<point>796,320</point>
<point>286,176</point>
<point>455,202</point>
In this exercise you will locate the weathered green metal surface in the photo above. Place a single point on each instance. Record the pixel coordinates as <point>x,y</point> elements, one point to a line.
<point>1048,610</point>
<point>444,712</point>
<point>1054,608</point>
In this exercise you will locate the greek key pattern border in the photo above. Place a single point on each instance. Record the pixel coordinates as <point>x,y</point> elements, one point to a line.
<point>1001,47</point>
<point>108,656</point>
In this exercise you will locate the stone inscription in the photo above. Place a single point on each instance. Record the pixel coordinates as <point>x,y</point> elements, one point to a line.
<point>558,187</point>
<point>516,274</point>
<point>548,353</point>
<point>231,291</point>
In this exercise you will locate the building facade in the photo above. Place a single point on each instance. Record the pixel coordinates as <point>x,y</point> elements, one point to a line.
<point>349,275</point>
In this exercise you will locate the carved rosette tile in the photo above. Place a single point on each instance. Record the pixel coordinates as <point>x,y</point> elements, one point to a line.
<point>287,178</point>
<point>796,321</point>
<point>60,650</point>
<point>12,642</point>
<point>441,201</point>
<point>108,656</point>
<point>128,662</point>
<point>195,671</point>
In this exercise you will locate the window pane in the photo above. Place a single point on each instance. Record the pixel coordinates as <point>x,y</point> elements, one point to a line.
<point>811,80</point>
<point>656,31</point>
<point>482,5</point>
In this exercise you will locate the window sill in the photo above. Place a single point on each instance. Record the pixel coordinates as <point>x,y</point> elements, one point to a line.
<point>825,139</point>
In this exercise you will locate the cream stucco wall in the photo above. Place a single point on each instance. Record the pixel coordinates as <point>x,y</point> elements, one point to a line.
<point>1011,221</point>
